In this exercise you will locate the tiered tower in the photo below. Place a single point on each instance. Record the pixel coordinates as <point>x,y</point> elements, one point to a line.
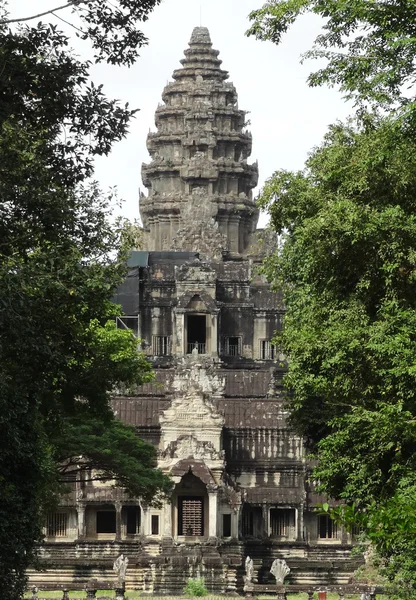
<point>199,182</point>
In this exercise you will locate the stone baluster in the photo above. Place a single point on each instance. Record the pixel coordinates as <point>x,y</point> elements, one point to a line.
<point>310,595</point>
<point>65,595</point>
<point>281,593</point>
<point>120,590</point>
<point>341,595</point>
<point>92,588</point>
<point>35,593</point>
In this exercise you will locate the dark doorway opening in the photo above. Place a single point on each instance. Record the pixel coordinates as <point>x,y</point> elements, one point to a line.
<point>132,519</point>
<point>106,521</point>
<point>191,516</point>
<point>197,334</point>
<point>226,525</point>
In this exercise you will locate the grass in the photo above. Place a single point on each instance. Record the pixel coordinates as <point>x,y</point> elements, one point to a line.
<point>135,595</point>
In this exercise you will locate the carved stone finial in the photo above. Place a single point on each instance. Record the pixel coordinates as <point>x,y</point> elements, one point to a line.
<point>120,567</point>
<point>279,570</point>
<point>200,35</point>
<point>249,570</point>
<point>248,577</point>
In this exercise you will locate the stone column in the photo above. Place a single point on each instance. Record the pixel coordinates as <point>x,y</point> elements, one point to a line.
<point>265,515</point>
<point>214,350</point>
<point>299,518</point>
<point>167,520</point>
<point>212,513</point>
<point>118,520</point>
<point>234,522</point>
<point>81,521</point>
<point>180,334</point>
<point>145,523</point>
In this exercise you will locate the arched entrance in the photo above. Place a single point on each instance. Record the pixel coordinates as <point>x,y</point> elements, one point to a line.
<point>190,503</point>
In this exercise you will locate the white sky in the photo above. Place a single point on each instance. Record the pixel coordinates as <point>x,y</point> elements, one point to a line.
<point>287,117</point>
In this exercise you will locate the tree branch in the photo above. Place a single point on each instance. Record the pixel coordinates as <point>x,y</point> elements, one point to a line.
<point>48,12</point>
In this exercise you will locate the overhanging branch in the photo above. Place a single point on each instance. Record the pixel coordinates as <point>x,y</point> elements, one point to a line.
<point>47,12</point>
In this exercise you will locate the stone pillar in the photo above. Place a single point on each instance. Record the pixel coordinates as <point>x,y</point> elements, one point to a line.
<point>119,591</point>
<point>167,520</point>
<point>265,515</point>
<point>234,522</point>
<point>299,517</point>
<point>145,523</point>
<point>214,335</point>
<point>212,513</point>
<point>118,520</point>
<point>81,521</point>
<point>180,334</point>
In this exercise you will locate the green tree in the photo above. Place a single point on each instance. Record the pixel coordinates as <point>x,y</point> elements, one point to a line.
<point>370,46</point>
<point>61,257</point>
<point>347,268</point>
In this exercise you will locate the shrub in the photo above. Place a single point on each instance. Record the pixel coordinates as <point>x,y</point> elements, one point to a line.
<point>195,587</point>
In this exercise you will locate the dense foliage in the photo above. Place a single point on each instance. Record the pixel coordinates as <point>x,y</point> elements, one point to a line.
<point>61,257</point>
<point>347,267</point>
<point>370,46</point>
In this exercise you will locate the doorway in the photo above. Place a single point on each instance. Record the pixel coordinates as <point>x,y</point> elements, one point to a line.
<point>196,334</point>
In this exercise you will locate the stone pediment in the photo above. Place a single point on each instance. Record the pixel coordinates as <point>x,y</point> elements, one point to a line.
<point>186,301</point>
<point>197,467</point>
<point>193,422</point>
<point>188,446</point>
<point>191,413</point>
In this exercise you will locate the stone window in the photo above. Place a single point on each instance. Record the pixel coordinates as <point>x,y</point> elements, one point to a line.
<point>327,529</point>
<point>191,516</point>
<point>155,524</point>
<point>283,523</point>
<point>56,524</point>
<point>267,350</point>
<point>252,521</point>
<point>226,525</point>
<point>161,345</point>
<point>106,521</point>
<point>231,346</point>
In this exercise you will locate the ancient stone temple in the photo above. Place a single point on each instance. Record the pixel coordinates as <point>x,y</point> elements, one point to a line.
<point>206,318</point>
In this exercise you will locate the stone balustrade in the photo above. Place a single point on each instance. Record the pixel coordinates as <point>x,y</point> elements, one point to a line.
<point>279,592</point>
<point>370,591</point>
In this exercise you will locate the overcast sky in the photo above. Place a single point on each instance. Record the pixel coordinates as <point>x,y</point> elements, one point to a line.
<point>287,117</point>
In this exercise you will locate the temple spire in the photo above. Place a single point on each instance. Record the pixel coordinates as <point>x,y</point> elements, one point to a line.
<point>199,180</point>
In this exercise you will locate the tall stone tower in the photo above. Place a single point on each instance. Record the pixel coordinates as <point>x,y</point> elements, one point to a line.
<point>199,182</point>
<point>216,412</point>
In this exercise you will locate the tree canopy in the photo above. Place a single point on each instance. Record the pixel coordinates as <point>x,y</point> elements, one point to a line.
<point>347,268</point>
<point>61,257</point>
<point>370,47</point>
<point>346,264</point>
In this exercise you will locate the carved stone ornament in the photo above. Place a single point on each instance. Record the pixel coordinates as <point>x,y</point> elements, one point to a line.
<point>120,567</point>
<point>249,566</point>
<point>279,570</point>
<point>194,386</point>
<point>189,446</point>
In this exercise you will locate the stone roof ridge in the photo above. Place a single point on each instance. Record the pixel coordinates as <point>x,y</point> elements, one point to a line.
<point>200,35</point>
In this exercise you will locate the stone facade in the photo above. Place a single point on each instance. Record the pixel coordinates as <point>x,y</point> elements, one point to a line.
<point>206,318</point>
